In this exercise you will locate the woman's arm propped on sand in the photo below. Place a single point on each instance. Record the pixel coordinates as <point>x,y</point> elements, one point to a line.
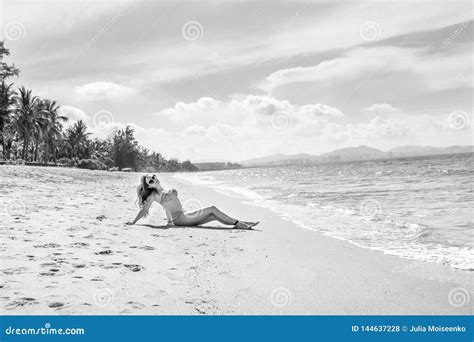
<point>142,212</point>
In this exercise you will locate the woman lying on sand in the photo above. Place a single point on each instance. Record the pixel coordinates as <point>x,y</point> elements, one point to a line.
<point>150,190</point>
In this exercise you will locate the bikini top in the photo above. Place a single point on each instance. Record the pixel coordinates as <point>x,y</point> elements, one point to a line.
<point>170,202</point>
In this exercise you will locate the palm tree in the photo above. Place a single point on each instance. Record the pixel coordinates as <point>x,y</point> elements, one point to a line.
<point>158,161</point>
<point>26,119</point>
<point>76,137</point>
<point>6,109</point>
<point>51,124</point>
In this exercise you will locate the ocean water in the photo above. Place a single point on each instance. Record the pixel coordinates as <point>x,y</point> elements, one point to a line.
<point>416,208</point>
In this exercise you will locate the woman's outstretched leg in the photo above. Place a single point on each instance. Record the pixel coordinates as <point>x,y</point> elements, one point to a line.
<point>222,217</point>
<point>207,215</point>
<point>204,216</point>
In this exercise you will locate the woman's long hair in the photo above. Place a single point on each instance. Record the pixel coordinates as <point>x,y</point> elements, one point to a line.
<point>144,192</point>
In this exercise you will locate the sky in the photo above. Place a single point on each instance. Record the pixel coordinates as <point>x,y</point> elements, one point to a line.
<point>232,80</point>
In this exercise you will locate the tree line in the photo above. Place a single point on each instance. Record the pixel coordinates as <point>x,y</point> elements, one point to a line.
<point>33,131</point>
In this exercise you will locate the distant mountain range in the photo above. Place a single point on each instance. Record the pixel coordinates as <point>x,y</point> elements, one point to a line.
<point>213,166</point>
<point>354,154</point>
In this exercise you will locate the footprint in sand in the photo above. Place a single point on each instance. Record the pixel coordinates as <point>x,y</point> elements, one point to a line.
<point>74,229</point>
<point>48,245</point>
<point>51,272</point>
<point>79,244</point>
<point>10,271</point>
<point>136,305</point>
<point>201,312</point>
<point>147,248</point>
<point>107,267</point>
<point>55,305</point>
<point>25,301</point>
<point>104,252</point>
<point>134,268</point>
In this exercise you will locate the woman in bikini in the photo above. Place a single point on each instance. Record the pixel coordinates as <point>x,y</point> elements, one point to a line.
<point>150,191</point>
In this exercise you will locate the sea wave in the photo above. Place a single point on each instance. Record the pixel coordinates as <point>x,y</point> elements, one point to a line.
<point>392,232</point>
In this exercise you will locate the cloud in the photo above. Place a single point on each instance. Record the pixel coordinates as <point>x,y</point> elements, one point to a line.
<point>401,129</point>
<point>381,108</point>
<point>251,110</point>
<point>320,110</point>
<point>108,90</point>
<point>194,130</point>
<point>74,114</point>
<point>185,111</point>
<point>241,127</point>
<point>379,127</point>
<point>352,65</point>
<point>435,71</point>
<point>266,105</point>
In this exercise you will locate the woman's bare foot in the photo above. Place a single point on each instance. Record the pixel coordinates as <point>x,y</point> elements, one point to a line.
<point>251,224</point>
<point>245,225</point>
<point>241,225</point>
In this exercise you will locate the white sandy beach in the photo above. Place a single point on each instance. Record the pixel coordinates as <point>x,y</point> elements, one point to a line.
<point>65,250</point>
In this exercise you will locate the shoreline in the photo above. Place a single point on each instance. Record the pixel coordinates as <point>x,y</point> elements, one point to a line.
<point>68,252</point>
<point>304,244</point>
<point>287,213</point>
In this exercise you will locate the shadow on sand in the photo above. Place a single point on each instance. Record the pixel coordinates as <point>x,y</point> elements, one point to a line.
<point>197,227</point>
